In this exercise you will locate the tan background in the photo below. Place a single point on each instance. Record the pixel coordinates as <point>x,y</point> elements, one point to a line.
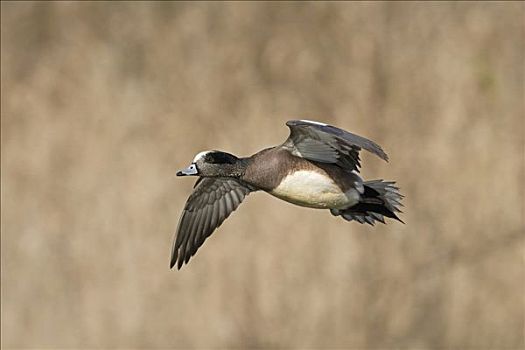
<point>103,102</point>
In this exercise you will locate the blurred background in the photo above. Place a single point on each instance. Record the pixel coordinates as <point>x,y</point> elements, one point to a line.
<point>102,103</point>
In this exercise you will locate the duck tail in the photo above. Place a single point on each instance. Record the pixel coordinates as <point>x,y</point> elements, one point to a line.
<point>379,199</point>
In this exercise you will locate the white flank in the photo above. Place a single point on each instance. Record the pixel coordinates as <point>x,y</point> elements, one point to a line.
<point>312,122</point>
<point>314,190</point>
<point>359,183</point>
<point>200,155</point>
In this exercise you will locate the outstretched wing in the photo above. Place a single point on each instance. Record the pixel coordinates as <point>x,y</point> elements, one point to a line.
<point>211,202</point>
<point>327,144</point>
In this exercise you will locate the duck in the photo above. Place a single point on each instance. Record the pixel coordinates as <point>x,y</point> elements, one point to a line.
<point>316,167</point>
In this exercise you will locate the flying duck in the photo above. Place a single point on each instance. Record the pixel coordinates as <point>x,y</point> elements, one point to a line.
<point>316,167</point>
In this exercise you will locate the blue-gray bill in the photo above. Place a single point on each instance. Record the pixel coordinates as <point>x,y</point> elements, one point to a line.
<point>191,170</point>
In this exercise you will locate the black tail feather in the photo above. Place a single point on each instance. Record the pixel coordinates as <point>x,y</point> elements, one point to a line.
<point>380,199</point>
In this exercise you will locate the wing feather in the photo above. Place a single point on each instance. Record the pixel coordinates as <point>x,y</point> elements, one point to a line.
<point>211,202</point>
<point>327,144</point>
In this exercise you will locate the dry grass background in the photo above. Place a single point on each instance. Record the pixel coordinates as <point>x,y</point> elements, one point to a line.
<point>103,102</point>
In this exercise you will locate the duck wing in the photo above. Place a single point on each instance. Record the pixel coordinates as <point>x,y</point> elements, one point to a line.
<point>328,144</point>
<point>211,202</point>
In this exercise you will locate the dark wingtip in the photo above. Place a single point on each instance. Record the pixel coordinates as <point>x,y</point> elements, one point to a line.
<point>179,265</point>
<point>173,259</point>
<point>377,150</point>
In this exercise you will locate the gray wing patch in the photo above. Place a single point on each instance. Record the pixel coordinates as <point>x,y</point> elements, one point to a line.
<point>212,201</point>
<point>316,150</point>
<point>328,144</point>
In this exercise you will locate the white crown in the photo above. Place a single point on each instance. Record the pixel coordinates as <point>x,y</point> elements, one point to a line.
<point>200,155</point>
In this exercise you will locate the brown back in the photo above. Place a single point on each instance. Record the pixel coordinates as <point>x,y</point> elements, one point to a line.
<point>267,168</point>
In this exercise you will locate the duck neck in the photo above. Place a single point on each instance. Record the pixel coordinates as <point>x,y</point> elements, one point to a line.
<point>236,169</point>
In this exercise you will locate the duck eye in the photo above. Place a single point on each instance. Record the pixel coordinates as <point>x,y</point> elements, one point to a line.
<point>220,158</point>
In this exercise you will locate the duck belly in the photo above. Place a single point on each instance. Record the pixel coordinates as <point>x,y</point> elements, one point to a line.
<point>314,190</point>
